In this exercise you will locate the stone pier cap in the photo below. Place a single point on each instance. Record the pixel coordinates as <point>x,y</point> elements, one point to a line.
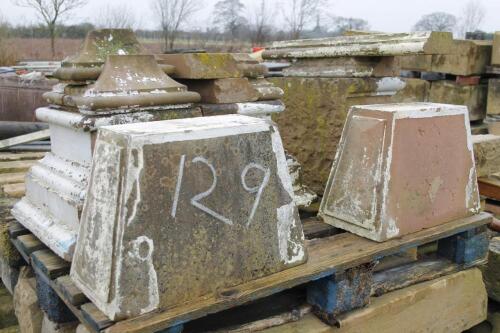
<point>87,63</point>
<point>180,209</point>
<point>129,83</point>
<point>401,168</point>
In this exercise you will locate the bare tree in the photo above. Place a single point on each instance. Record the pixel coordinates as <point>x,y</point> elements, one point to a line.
<point>299,13</point>
<point>472,17</point>
<point>51,12</point>
<point>117,17</point>
<point>438,21</point>
<point>228,15</point>
<point>172,14</point>
<point>261,21</point>
<point>343,24</point>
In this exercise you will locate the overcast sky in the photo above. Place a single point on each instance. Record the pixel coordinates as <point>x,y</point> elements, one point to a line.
<point>382,15</point>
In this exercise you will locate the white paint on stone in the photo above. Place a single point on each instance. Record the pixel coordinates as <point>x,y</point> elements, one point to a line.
<point>389,86</point>
<point>138,246</point>
<point>285,213</point>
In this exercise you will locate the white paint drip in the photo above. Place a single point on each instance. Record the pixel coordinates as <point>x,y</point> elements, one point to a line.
<point>286,213</point>
<point>147,259</point>
<point>134,181</point>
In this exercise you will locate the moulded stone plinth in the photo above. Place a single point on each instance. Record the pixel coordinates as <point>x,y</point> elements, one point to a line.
<point>401,168</point>
<point>181,209</point>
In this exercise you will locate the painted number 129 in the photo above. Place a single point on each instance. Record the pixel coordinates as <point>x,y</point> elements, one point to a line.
<point>195,200</point>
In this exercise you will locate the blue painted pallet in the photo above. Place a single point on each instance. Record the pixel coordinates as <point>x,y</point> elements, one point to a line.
<point>338,277</point>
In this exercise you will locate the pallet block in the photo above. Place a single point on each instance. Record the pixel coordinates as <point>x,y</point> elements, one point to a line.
<point>345,291</point>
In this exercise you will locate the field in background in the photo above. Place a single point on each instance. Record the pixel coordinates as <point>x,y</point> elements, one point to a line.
<point>39,49</point>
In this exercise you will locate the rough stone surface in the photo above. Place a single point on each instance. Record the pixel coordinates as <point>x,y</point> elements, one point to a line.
<point>495,58</point>
<point>494,97</point>
<point>486,154</point>
<point>10,275</point>
<point>467,57</point>
<point>82,329</point>
<point>201,65</point>
<point>220,91</point>
<point>316,109</point>
<point>26,307</point>
<point>494,127</point>
<point>449,92</point>
<point>7,314</point>
<point>219,204</point>
<point>401,168</point>
<point>49,326</point>
<point>491,271</point>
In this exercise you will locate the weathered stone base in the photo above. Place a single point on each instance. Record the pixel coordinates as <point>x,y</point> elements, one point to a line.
<point>10,275</point>
<point>28,312</point>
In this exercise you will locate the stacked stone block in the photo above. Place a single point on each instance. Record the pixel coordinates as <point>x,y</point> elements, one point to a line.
<point>457,74</point>
<point>494,88</point>
<point>228,83</point>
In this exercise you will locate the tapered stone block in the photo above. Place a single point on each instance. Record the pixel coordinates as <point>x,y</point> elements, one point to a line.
<point>401,168</point>
<point>181,209</point>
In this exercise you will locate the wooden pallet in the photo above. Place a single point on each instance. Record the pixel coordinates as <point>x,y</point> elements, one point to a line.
<point>339,276</point>
<point>13,168</point>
